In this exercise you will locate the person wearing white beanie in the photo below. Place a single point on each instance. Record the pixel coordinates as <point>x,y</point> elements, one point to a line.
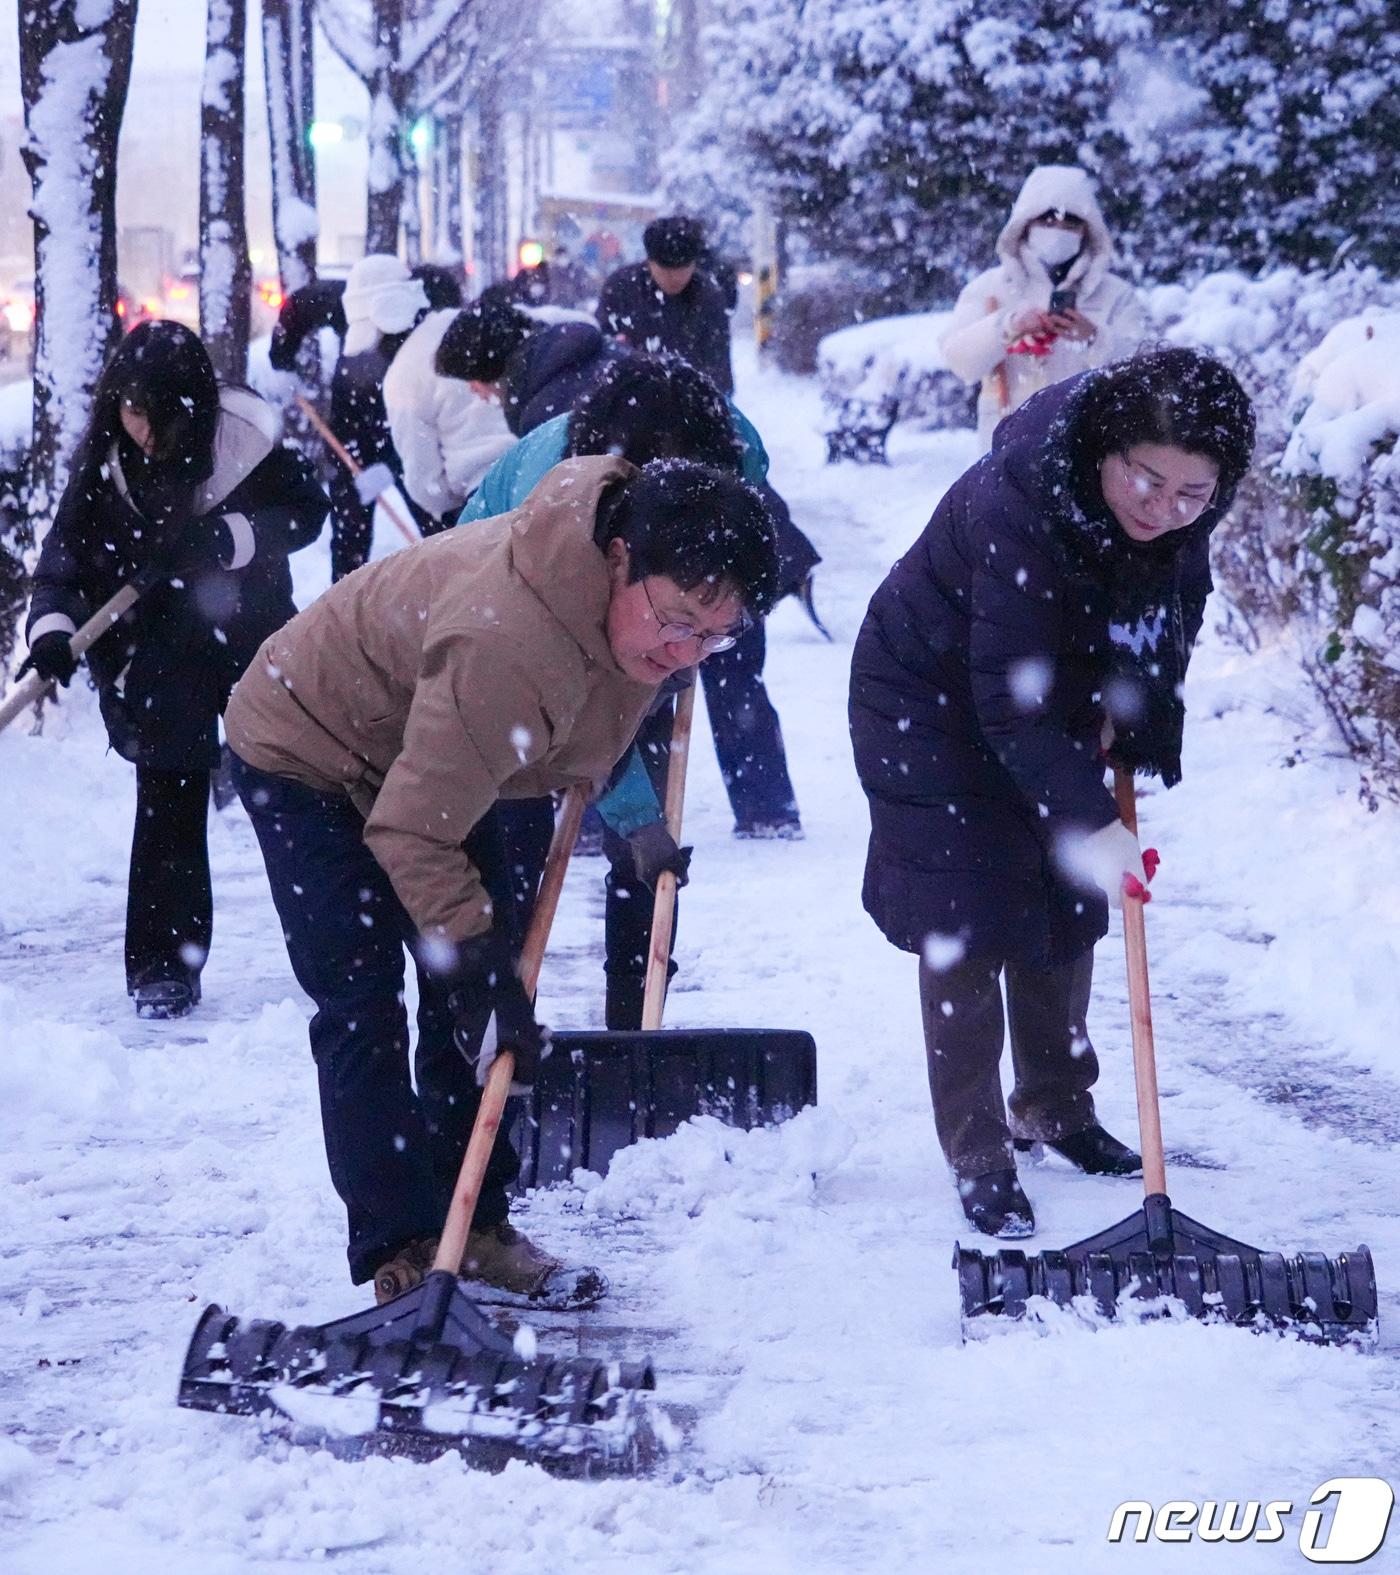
<point>381,297</point>
<point>382,303</point>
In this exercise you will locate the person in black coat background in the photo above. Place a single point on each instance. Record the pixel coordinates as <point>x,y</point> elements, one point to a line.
<point>667,303</point>
<point>385,301</point>
<point>1049,608</point>
<point>184,488</point>
<point>382,304</point>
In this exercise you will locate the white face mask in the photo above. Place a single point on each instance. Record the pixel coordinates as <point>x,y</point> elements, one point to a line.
<point>1053,246</point>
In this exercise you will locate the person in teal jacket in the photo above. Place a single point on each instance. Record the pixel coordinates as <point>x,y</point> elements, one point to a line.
<point>645,407</point>
<point>514,476</point>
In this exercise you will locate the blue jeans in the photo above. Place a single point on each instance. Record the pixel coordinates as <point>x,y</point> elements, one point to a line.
<point>748,739</point>
<point>393,1151</point>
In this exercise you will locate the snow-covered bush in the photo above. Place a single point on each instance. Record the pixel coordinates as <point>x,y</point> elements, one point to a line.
<point>1312,548</point>
<point>887,370</point>
<point>1230,133</point>
<point>1343,473</point>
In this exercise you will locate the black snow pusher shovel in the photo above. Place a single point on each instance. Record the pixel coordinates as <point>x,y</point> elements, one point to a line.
<point>600,1091</point>
<point>1159,1254</point>
<point>428,1371</point>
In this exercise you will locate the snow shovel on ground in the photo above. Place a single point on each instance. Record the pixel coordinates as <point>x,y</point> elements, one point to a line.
<point>601,1091</point>
<point>428,1371</point>
<point>1158,1255</point>
<point>31,686</point>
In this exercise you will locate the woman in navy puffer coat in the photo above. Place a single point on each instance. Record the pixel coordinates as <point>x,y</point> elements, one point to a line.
<point>1051,603</point>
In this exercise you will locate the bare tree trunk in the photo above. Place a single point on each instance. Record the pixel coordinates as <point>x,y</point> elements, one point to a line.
<point>225,274</point>
<point>291,108</point>
<point>387,91</point>
<point>412,214</point>
<point>449,192</point>
<point>74,78</point>
<point>492,212</point>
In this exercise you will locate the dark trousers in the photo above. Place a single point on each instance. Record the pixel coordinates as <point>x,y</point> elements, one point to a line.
<point>169,900</point>
<point>352,522</point>
<point>393,1151</point>
<point>748,738</point>
<point>628,905</point>
<point>1052,1060</point>
<point>528,825</point>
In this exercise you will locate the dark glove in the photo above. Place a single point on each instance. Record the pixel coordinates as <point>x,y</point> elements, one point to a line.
<point>216,541</point>
<point>486,974</point>
<point>652,850</point>
<point>51,656</point>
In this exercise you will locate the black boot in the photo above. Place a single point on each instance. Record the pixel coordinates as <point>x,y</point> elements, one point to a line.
<point>625,993</point>
<point>995,1204</point>
<point>1094,1151</point>
<point>166,998</point>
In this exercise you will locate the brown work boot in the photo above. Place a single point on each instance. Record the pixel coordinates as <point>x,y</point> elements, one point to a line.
<point>407,1268</point>
<point>504,1257</point>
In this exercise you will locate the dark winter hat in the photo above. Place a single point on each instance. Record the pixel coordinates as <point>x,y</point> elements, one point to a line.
<point>648,407</point>
<point>480,340</point>
<point>699,525</point>
<point>441,284</point>
<point>674,242</point>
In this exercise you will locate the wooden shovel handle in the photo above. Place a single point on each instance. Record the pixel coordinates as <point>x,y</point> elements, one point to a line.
<point>453,1241</point>
<point>31,686</point>
<point>1154,1169</point>
<point>407,530</point>
<point>663,912</point>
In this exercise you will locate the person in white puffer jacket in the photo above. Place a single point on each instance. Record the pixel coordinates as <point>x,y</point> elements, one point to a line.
<point>1050,307</point>
<point>448,431</point>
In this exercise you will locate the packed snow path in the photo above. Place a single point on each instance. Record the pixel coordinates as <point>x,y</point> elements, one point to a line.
<point>793,1284</point>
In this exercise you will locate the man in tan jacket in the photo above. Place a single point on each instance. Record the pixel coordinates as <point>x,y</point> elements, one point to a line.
<point>373,736</point>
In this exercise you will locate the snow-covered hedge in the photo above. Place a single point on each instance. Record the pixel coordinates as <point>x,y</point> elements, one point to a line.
<point>890,368</point>
<point>1312,550</point>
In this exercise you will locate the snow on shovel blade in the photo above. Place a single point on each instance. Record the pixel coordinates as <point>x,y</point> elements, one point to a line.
<point>1161,1260</point>
<point>425,1373</point>
<point>601,1091</point>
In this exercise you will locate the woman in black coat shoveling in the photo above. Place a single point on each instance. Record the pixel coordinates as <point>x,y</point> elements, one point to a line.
<point>184,488</point>
<point>1048,610</point>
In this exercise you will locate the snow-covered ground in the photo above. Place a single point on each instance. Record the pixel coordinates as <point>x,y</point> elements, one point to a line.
<point>798,1279</point>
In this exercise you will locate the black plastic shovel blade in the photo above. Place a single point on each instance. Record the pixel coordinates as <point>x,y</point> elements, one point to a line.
<point>425,1373</point>
<point>598,1092</point>
<point>1158,1255</point>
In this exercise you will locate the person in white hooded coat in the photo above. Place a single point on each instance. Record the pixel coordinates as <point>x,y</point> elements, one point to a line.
<point>448,431</point>
<point>1004,334</point>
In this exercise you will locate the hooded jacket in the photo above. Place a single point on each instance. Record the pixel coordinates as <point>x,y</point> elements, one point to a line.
<point>978,684</point>
<point>164,671</point>
<point>472,667</point>
<point>552,370</point>
<point>447,437</point>
<point>977,340</point>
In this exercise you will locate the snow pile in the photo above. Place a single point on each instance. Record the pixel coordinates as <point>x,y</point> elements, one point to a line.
<point>707,1166</point>
<point>891,368</point>
<point>57,1075</point>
